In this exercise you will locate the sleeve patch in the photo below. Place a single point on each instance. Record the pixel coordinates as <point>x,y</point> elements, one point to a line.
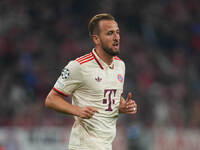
<point>65,73</point>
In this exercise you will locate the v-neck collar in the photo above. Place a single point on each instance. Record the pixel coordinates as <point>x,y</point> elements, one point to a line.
<point>100,62</point>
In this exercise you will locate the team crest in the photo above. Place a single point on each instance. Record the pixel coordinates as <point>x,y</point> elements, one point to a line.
<point>65,73</point>
<point>120,78</point>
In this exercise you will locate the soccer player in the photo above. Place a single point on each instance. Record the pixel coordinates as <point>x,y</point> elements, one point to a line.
<point>95,82</point>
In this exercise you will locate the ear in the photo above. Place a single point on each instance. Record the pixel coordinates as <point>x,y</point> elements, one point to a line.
<point>96,39</point>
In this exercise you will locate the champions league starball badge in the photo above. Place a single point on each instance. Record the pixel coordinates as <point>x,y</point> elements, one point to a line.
<point>65,73</point>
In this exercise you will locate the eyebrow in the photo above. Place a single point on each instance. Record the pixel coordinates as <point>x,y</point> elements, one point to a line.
<point>112,30</point>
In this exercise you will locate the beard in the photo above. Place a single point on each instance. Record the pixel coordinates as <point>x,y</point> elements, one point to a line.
<point>110,51</point>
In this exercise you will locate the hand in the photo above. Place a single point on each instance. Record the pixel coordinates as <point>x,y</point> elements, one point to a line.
<point>86,112</point>
<point>128,106</point>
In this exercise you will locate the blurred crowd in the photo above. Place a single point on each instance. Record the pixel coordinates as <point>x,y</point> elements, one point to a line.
<point>160,44</point>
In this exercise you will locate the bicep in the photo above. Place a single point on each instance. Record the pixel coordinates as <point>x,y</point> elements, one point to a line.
<point>52,97</point>
<point>54,93</point>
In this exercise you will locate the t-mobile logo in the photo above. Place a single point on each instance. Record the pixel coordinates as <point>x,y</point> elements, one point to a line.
<point>109,100</point>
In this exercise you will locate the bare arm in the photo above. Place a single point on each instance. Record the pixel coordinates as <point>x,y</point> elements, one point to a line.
<point>127,106</point>
<point>56,101</point>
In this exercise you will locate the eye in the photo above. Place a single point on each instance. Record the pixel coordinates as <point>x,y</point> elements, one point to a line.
<point>110,33</point>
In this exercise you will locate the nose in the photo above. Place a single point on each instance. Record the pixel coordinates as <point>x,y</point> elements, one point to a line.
<point>116,37</point>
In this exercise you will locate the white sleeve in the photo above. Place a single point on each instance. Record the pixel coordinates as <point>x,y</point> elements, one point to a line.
<point>70,79</point>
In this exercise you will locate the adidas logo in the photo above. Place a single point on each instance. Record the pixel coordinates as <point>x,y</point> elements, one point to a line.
<point>98,79</point>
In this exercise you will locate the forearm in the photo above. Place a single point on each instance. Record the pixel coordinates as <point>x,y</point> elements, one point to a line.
<point>57,102</point>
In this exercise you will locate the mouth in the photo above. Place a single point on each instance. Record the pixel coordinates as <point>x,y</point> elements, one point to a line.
<point>116,45</point>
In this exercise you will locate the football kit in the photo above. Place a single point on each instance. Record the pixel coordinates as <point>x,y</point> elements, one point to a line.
<point>91,82</point>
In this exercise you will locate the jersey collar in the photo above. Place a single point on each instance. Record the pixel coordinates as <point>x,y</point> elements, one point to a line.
<point>100,62</point>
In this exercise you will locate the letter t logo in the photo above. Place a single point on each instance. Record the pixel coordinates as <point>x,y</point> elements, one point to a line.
<point>109,99</point>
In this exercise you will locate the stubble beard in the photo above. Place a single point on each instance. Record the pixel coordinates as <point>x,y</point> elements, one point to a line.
<point>110,51</point>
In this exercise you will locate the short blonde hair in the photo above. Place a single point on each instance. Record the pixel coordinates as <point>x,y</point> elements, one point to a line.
<point>93,26</point>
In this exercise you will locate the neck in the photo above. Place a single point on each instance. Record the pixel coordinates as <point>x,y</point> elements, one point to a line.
<point>104,56</point>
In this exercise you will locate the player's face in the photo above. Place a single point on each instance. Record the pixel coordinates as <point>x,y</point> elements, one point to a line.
<point>109,37</point>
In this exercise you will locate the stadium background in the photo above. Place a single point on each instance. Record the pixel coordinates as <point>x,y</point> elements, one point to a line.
<point>160,44</point>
